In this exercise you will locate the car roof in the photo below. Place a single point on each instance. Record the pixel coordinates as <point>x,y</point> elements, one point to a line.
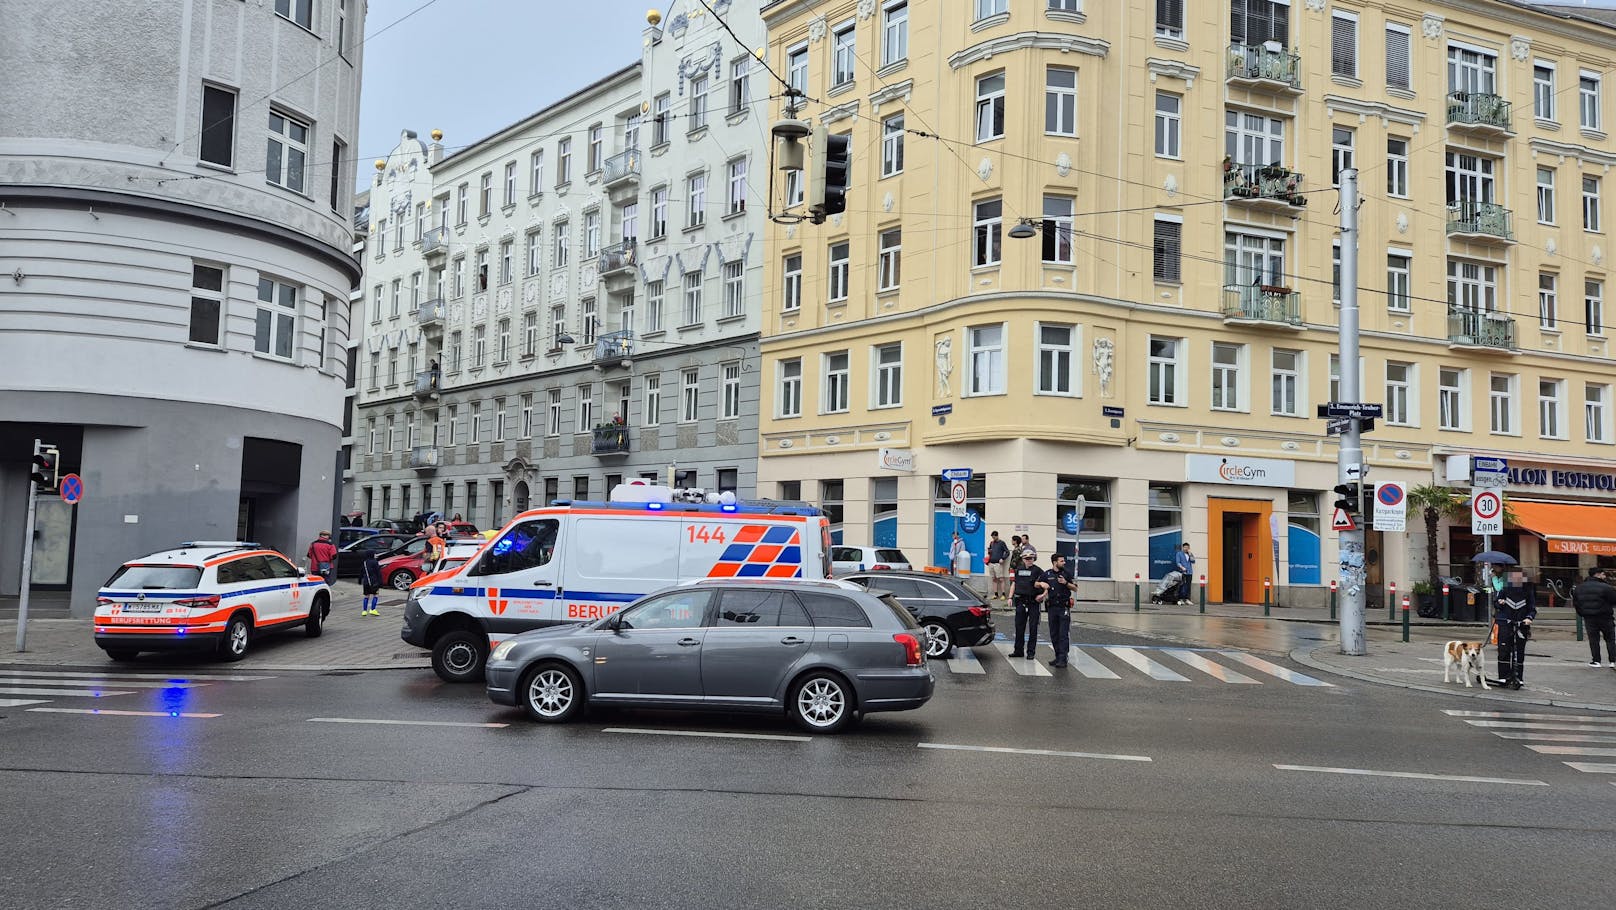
<point>905,573</point>
<point>821,583</point>
<point>193,552</point>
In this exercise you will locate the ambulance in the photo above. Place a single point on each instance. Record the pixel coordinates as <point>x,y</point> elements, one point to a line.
<point>576,561</point>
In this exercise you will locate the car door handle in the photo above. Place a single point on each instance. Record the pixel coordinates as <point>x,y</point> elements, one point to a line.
<point>687,642</point>
<point>793,640</point>
<point>544,584</point>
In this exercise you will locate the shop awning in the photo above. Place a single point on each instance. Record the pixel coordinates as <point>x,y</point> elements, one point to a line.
<point>1569,527</point>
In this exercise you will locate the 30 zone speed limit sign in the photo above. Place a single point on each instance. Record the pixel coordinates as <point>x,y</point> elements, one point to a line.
<point>956,498</point>
<point>1486,511</point>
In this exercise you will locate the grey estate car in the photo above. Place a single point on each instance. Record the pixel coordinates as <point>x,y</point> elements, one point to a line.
<point>824,652</point>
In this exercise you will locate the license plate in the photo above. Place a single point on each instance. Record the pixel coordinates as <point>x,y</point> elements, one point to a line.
<point>143,608</point>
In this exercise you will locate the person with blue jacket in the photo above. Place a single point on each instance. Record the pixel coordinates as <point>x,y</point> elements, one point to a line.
<point>370,578</point>
<point>1184,560</point>
<point>1516,607</point>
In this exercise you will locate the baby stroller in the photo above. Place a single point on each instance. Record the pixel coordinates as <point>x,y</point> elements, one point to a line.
<point>1167,591</point>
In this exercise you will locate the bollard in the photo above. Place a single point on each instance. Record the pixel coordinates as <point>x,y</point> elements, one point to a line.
<point>1446,605</point>
<point>1203,593</point>
<point>1405,617</point>
<point>1332,600</point>
<point>1136,592</point>
<point>1267,589</point>
<point>1391,603</point>
<point>1579,627</point>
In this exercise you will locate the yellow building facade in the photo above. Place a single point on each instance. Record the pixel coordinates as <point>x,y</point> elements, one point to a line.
<point>1159,345</point>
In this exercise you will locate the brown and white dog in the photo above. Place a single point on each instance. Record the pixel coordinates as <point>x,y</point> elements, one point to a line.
<point>1466,655</point>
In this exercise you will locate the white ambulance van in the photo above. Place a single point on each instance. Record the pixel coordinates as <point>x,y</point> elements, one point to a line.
<point>577,561</point>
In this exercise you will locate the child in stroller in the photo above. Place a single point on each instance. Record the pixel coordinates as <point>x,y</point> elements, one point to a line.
<point>1167,590</point>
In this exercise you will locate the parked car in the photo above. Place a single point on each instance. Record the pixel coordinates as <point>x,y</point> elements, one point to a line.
<point>858,559</point>
<point>350,533</point>
<point>951,613</point>
<point>408,566</point>
<point>822,652</point>
<point>396,525</point>
<point>351,557</point>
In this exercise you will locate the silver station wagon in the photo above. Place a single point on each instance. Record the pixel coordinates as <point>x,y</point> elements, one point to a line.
<point>824,652</point>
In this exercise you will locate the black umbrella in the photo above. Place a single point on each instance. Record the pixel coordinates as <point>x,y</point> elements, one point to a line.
<point>1495,557</point>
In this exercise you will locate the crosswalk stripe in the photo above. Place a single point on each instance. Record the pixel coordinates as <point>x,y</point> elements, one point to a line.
<point>19,702</point>
<point>1527,725</point>
<point>1592,767</point>
<point>111,713</point>
<point>1510,715</point>
<point>1554,737</point>
<point>84,693</point>
<point>172,677</point>
<point>1573,750</point>
<point>1417,775</point>
<point>1084,663</point>
<point>1021,665</point>
<point>1145,665</point>
<point>1217,671</point>
<point>964,661</point>
<point>1291,676</point>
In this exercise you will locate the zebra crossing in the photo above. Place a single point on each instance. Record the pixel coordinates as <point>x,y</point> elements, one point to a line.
<point>75,691</point>
<point>1129,662</point>
<point>1569,738</point>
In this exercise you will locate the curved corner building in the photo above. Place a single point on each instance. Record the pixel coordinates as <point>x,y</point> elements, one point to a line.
<point>175,251</point>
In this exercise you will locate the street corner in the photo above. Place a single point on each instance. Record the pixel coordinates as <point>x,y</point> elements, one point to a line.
<point>1553,677</point>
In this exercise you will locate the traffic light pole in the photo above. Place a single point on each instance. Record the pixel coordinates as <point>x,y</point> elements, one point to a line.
<point>1350,453</point>
<point>27,558</point>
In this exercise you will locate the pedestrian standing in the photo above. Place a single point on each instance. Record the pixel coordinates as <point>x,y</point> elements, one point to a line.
<point>1057,586</point>
<point>1024,594</point>
<point>1185,561</point>
<point>370,578</point>
<point>1512,622</point>
<point>955,549</point>
<point>1015,553</point>
<point>323,557</point>
<point>997,558</point>
<point>1595,602</point>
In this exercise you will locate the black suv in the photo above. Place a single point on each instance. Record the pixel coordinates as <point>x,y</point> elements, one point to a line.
<point>951,613</point>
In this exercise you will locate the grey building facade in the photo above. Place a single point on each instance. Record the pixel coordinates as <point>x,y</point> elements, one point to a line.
<point>178,249</point>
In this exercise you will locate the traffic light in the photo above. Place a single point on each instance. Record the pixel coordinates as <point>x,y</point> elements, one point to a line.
<point>45,467</point>
<point>1349,498</point>
<point>828,172</point>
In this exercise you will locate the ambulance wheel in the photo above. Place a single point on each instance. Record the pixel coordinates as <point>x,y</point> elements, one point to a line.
<point>316,616</point>
<point>459,656</point>
<point>939,640</point>
<point>122,654</point>
<point>237,636</point>
<point>401,580</point>
<point>551,693</point>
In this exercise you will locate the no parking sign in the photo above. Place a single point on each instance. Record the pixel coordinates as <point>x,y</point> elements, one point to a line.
<point>1391,506</point>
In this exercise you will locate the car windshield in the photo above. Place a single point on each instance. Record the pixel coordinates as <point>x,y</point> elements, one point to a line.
<point>891,556</point>
<point>906,618</point>
<point>156,578</point>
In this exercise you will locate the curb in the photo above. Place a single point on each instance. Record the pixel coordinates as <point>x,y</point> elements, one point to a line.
<point>212,668</point>
<point>1304,656</point>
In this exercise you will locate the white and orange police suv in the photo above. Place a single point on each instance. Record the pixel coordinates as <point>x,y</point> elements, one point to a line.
<point>206,594</point>
<point>576,561</point>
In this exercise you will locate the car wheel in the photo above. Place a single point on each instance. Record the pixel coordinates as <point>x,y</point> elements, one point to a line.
<point>237,636</point>
<point>551,693</point>
<point>939,640</point>
<point>401,580</point>
<point>122,654</point>
<point>821,702</point>
<point>312,628</point>
<point>459,656</point>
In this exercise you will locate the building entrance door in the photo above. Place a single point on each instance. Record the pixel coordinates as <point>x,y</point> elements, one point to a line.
<point>1238,540</point>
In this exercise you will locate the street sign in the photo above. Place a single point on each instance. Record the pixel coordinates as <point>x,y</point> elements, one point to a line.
<point>1354,473</point>
<point>1486,511</point>
<point>1341,521</point>
<point>956,473</point>
<point>1349,409</point>
<point>72,489</point>
<point>941,410</point>
<point>1391,506</point>
<point>956,498</point>
<point>1107,410</point>
<point>1486,471</point>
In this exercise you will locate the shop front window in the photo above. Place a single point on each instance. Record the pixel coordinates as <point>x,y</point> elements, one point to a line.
<point>830,499</point>
<point>973,528</point>
<point>884,502</point>
<point>1166,527</point>
<point>1085,541</point>
<point>1302,539</point>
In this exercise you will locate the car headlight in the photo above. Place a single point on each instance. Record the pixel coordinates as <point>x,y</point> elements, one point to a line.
<point>503,651</point>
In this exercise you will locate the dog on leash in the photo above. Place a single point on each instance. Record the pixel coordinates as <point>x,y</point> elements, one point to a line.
<point>1467,656</point>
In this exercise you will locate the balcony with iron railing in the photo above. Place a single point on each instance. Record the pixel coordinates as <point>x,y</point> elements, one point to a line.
<point>614,348</point>
<point>1484,221</point>
<point>622,168</point>
<point>425,458</point>
<point>426,383</point>
<point>1267,65</point>
<point>1479,111</point>
<point>1261,304</point>
<point>429,315</point>
<point>435,242</point>
<point>1468,328</point>
<point>610,439</point>
<point>617,258</point>
<point>1262,185</point>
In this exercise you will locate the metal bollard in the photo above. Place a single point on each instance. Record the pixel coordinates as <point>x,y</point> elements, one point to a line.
<point>1267,591</point>
<point>1447,605</point>
<point>1136,592</point>
<point>1391,603</point>
<point>1405,617</point>
<point>1332,600</point>
<point>1203,593</point>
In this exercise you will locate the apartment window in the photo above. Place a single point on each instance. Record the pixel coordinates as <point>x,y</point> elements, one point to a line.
<point>1471,71</point>
<point>536,173</point>
<point>1340,153</point>
<point>790,382</point>
<point>689,396</point>
<point>207,303</point>
<point>398,284</point>
<point>653,401</point>
<point>985,357</point>
<point>391,434</point>
<point>1551,408</point>
<point>1057,353</point>
<point>594,151</point>
<point>890,260</point>
<point>698,102</point>
<point>299,11</point>
<point>661,113</point>
<point>558,255</point>
<point>1257,22</point>
<point>631,222</point>
<point>1067,6</point>
<point>693,282</point>
<point>1501,404</point>
<point>1170,18</point>
<point>558,326</point>
<point>986,8</point>
<point>990,107</point>
<point>888,376</point>
<point>392,368</point>
<point>505,261</point>
<point>1163,371</point>
<point>1545,195</point>
<point>462,200</point>
<point>891,145</point>
<point>287,150</point>
<point>370,436</point>
<point>456,349</point>
<point>730,386</point>
<point>482,270</point>
<point>986,242</point>
<point>564,161</point>
<point>843,55</point>
<point>1397,167</point>
<point>1595,414</point>
<point>420,221</point>
<point>695,200</point>
<point>793,189</point>
<point>1060,101</point>
<point>734,289</point>
<point>1450,392</point>
<point>1593,306</point>
<point>499,420</point>
<point>1167,250</point>
<point>1543,90</point>
<point>1548,305</point>
<point>1472,286</point>
<point>1398,49</point>
<point>740,88</point>
<point>736,201</point>
<point>1399,378</point>
<point>654,309</point>
<point>534,244</point>
<point>659,212</point>
<point>454,425</point>
<point>588,321</point>
<point>591,233</point>
<point>479,346</point>
<point>485,194</point>
<point>1226,375</point>
<point>458,276</point>
<point>553,426</point>
<point>836,377</point>
<point>586,408</point>
<point>530,334</point>
<point>276,318</point>
<point>510,183</point>
<point>1399,281</point>
<point>503,344</point>
<point>836,283</point>
<point>1285,397</point>
<point>1169,128</point>
<point>1588,95</point>
<point>791,289</point>
<point>218,145</point>
<point>1057,230</point>
<point>894,33</point>
<point>1590,204</point>
<point>1343,44</point>
<point>1253,138</point>
<point>797,68</point>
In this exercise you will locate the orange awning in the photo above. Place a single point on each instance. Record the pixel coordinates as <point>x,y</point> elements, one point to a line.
<point>1569,527</point>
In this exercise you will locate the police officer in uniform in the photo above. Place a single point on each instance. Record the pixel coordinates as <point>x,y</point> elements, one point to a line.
<point>1057,586</point>
<point>1516,608</point>
<point>1024,591</point>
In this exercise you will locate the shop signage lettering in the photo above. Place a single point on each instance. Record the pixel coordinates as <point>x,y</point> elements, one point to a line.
<point>1570,480</point>
<point>1257,472</point>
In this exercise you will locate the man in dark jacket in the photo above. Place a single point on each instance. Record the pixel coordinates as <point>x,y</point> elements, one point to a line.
<point>1595,601</point>
<point>997,557</point>
<point>1513,620</point>
<point>1024,591</point>
<point>370,577</point>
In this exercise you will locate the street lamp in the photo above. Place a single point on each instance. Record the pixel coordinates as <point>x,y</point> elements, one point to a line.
<point>564,338</point>
<point>1025,229</point>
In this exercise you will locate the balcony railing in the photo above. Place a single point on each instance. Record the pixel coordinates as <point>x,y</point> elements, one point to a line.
<point>424,458</point>
<point>1478,109</point>
<point>614,347</point>
<point>610,440</point>
<point>430,313</point>
<point>1262,182</point>
<point>1480,329</point>
<point>622,166</point>
<point>1262,303</point>
<point>1486,219</point>
<point>427,383</point>
<point>618,257</point>
<point>1265,63</point>
<point>435,241</point>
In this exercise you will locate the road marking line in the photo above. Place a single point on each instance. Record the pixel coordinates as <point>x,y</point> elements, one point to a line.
<point>1574,750</point>
<point>956,747</point>
<point>1592,767</point>
<point>1555,737</point>
<point>964,661</point>
<point>1086,664</point>
<point>1217,671</point>
<point>402,723</point>
<point>119,713</point>
<point>82,693</point>
<point>1507,715</point>
<point>171,677</point>
<point>1525,725</point>
<point>1272,669</point>
<point>1415,775</point>
<point>120,683</point>
<point>1022,665</point>
<point>1145,665</point>
<point>710,734</point>
<point>19,702</point>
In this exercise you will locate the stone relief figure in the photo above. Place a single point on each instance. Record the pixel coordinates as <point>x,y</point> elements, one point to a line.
<point>1104,362</point>
<point>945,366</point>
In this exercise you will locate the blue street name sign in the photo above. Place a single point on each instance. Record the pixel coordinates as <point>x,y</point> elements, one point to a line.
<point>941,410</point>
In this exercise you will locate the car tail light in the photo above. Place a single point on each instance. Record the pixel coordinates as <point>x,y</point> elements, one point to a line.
<point>104,600</point>
<point>980,612</point>
<point>194,602</point>
<point>912,652</point>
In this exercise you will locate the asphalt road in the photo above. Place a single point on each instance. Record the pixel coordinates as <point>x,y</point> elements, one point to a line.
<point>1147,793</point>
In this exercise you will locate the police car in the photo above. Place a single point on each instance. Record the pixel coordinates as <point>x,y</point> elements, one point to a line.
<point>206,594</point>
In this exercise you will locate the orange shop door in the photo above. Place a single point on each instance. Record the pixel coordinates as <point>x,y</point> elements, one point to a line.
<point>1238,544</point>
